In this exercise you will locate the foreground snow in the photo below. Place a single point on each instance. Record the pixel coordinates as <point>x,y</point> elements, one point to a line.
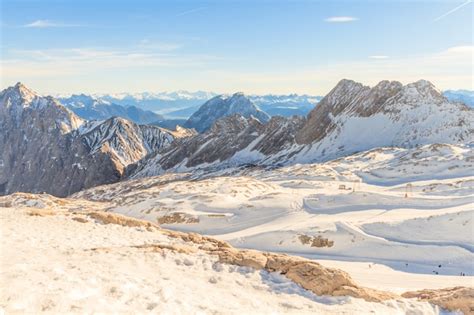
<point>66,262</point>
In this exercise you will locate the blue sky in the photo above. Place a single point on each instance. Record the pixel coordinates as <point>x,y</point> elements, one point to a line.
<point>227,46</point>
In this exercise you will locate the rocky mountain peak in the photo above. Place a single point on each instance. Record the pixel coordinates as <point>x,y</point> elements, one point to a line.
<point>49,113</point>
<point>221,106</point>
<point>18,95</point>
<point>424,89</point>
<point>388,101</point>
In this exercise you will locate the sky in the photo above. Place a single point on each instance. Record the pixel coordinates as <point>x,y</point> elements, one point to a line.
<point>257,47</point>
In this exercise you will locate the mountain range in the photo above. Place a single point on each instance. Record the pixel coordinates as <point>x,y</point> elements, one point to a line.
<point>351,118</point>
<point>463,96</point>
<point>168,109</point>
<point>90,108</point>
<point>273,105</point>
<point>48,148</point>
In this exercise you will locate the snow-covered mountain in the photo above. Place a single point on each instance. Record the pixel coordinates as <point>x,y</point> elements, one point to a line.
<point>91,108</point>
<point>221,106</point>
<point>351,118</point>
<point>161,102</point>
<point>273,105</point>
<point>354,117</point>
<point>47,148</point>
<point>464,96</point>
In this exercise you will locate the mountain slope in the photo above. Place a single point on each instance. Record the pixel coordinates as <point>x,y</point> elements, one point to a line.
<point>91,108</point>
<point>353,117</point>
<point>124,141</point>
<point>47,148</point>
<point>232,141</point>
<point>221,106</point>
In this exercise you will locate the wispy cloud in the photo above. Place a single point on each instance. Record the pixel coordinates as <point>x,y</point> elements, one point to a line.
<point>378,57</point>
<point>341,19</point>
<point>190,11</point>
<point>158,45</point>
<point>452,10</point>
<point>78,61</point>
<point>48,24</point>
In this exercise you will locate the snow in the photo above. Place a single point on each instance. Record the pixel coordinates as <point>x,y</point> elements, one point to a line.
<point>58,265</point>
<point>269,209</point>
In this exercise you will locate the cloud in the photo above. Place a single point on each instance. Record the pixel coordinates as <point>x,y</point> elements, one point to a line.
<point>190,11</point>
<point>461,49</point>
<point>378,57</point>
<point>452,11</point>
<point>55,63</point>
<point>48,24</point>
<point>341,19</point>
<point>158,45</point>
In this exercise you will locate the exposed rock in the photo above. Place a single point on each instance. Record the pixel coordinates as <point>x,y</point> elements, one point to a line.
<point>452,299</point>
<point>315,241</point>
<point>113,218</point>
<point>80,219</point>
<point>41,212</point>
<point>247,258</point>
<point>179,248</point>
<point>177,218</point>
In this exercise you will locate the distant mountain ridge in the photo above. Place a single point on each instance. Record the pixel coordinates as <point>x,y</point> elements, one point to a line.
<point>464,96</point>
<point>182,104</point>
<point>161,102</point>
<point>274,105</point>
<point>91,108</point>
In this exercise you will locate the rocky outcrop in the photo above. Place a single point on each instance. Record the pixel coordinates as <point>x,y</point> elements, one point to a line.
<point>219,107</point>
<point>452,299</point>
